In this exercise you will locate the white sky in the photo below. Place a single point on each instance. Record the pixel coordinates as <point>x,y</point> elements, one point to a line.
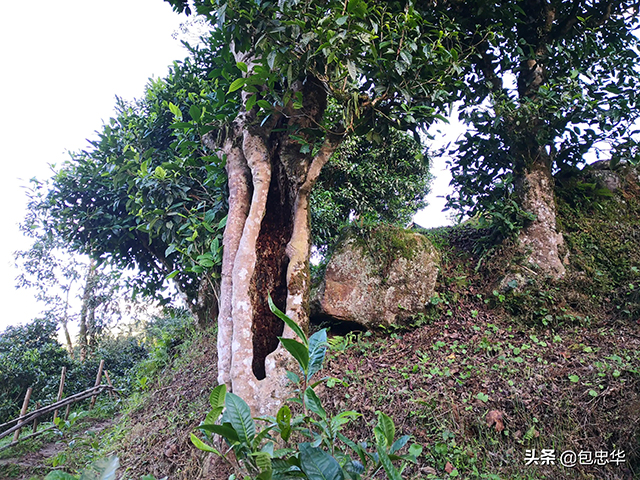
<point>63,63</point>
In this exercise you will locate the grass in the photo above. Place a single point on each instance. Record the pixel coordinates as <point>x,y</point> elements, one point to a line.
<point>440,384</point>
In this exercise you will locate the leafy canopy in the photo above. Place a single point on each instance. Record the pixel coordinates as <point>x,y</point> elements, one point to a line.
<point>385,65</point>
<point>558,77</point>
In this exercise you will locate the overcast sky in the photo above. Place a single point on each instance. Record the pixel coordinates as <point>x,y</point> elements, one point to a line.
<point>63,63</point>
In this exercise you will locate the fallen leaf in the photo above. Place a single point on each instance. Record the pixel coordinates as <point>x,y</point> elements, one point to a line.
<point>448,467</point>
<point>428,470</point>
<point>495,417</point>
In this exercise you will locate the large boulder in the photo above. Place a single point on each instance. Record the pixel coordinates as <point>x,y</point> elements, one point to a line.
<point>380,280</point>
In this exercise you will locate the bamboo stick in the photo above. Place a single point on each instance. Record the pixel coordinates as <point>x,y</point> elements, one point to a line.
<point>35,421</point>
<point>106,374</point>
<point>23,412</point>
<point>63,376</point>
<point>98,380</point>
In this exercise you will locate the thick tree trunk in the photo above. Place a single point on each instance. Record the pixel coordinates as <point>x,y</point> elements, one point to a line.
<point>540,238</point>
<point>85,311</point>
<point>266,248</point>
<point>239,201</point>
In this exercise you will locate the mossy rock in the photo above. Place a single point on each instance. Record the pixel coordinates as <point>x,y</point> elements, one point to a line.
<point>378,279</point>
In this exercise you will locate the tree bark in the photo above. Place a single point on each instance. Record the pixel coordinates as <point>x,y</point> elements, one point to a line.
<point>267,245</point>
<point>64,321</point>
<point>239,201</point>
<point>540,239</point>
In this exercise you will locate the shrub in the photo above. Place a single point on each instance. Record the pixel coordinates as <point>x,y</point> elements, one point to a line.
<point>30,356</point>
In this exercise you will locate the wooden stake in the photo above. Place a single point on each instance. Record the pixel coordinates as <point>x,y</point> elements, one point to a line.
<point>23,412</point>
<point>98,380</point>
<point>35,422</point>
<point>63,376</point>
<point>111,394</point>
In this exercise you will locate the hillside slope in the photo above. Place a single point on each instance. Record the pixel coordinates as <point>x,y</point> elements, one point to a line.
<point>503,365</point>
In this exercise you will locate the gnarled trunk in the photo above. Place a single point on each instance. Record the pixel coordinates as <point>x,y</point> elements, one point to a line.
<point>540,238</point>
<point>266,247</point>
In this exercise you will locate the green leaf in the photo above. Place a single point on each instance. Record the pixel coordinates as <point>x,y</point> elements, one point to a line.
<point>353,72</point>
<point>242,66</point>
<point>483,397</point>
<point>283,419</point>
<point>263,460</point>
<point>213,416</point>
<point>313,403</point>
<point>271,58</point>
<point>160,173</point>
<point>169,250</point>
<point>239,415</point>
<point>172,274</point>
<point>343,418</point>
<point>181,125</point>
<point>415,450</point>
<point>236,84</point>
<point>392,473</point>
<point>217,396</point>
<point>317,351</point>
<point>251,101</point>
<point>318,464</point>
<point>299,352</point>
<point>398,444</point>
<point>175,110</point>
<point>293,378</point>
<point>205,260</point>
<point>292,325</point>
<point>264,104</point>
<point>387,427</point>
<point>203,446</point>
<point>355,447</point>
<point>574,378</point>
<point>195,113</point>
<point>225,430</point>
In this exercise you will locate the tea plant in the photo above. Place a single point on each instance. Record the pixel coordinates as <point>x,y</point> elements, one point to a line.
<point>308,445</point>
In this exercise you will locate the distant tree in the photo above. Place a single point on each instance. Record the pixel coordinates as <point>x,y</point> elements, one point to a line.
<point>551,81</point>
<point>47,267</point>
<point>123,203</point>
<point>30,356</point>
<point>60,274</point>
